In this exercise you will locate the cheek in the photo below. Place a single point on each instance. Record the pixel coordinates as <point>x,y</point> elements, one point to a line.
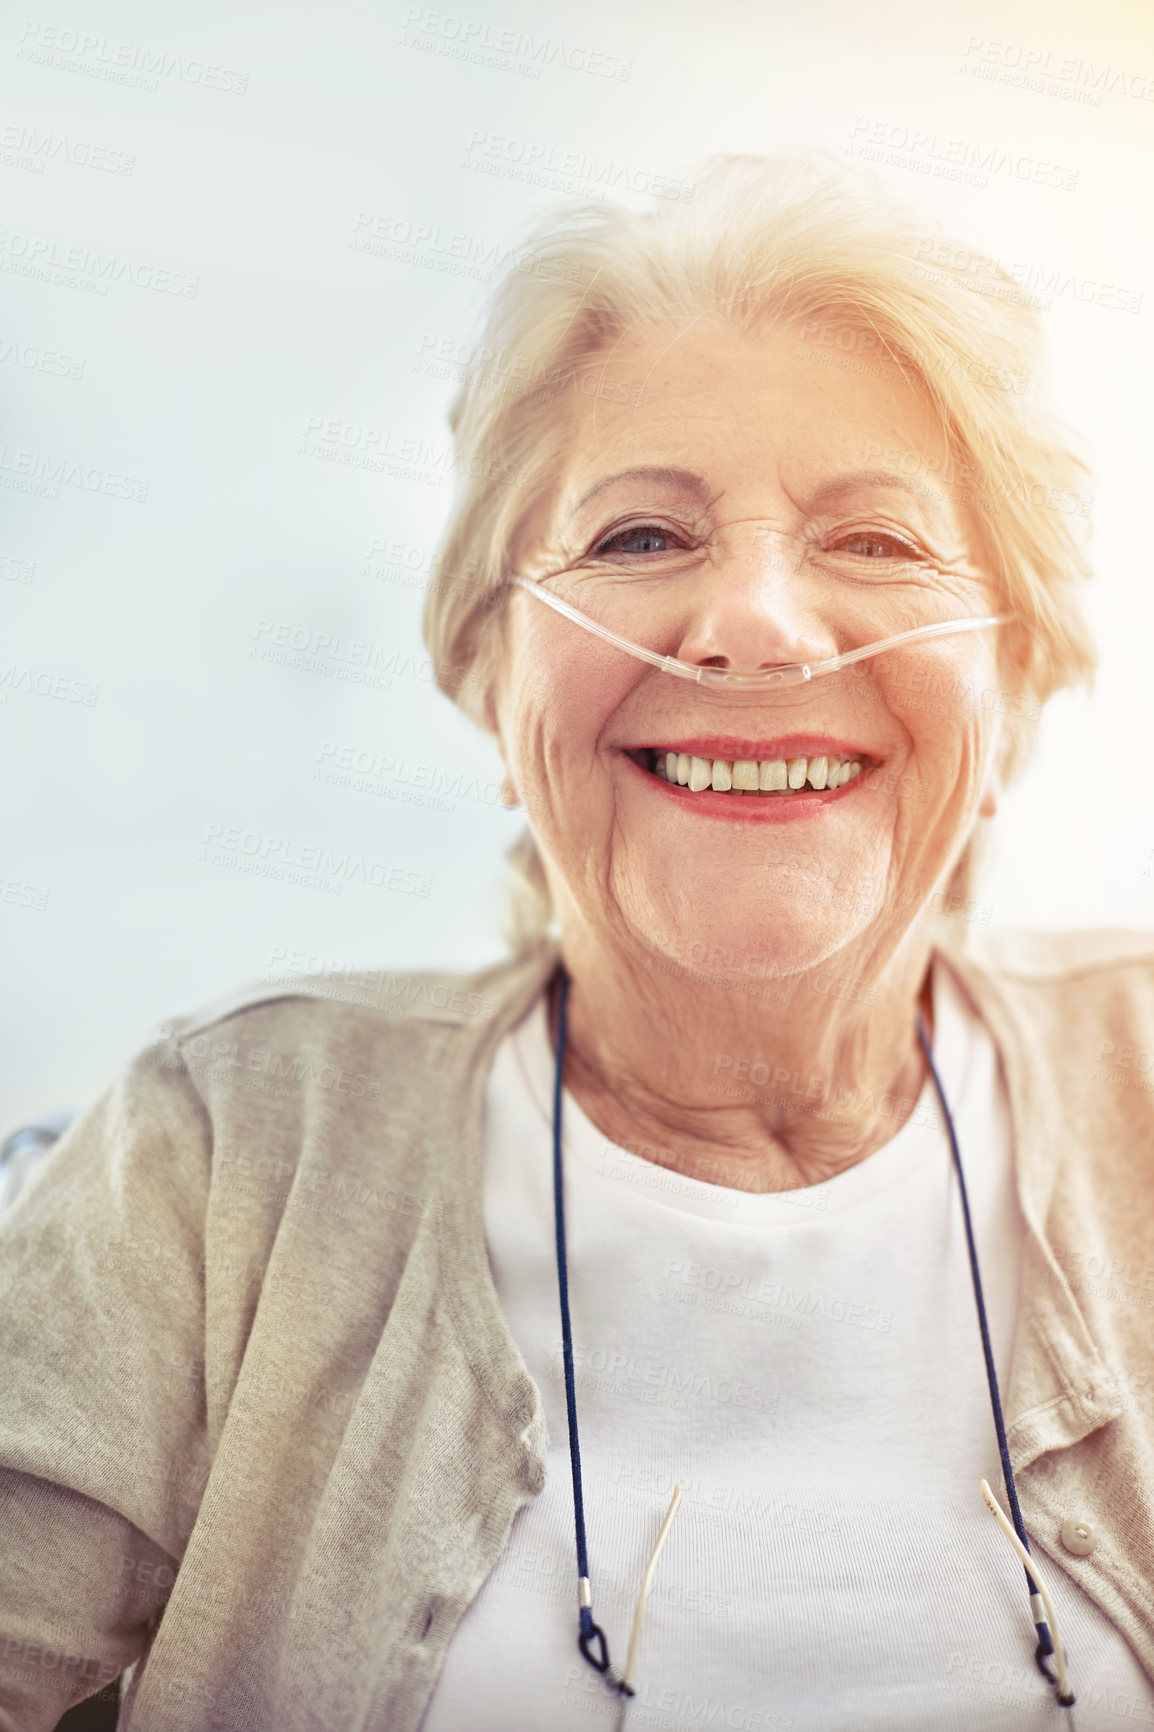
<point>949,790</point>
<point>947,708</point>
<point>948,715</point>
<point>557,703</point>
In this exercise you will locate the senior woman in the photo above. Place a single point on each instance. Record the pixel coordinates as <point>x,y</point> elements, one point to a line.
<point>628,1333</point>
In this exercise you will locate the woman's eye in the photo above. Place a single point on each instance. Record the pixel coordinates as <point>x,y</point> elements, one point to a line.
<point>641,538</point>
<point>874,544</point>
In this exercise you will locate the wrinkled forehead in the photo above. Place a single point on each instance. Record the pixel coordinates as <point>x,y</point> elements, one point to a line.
<point>769,428</point>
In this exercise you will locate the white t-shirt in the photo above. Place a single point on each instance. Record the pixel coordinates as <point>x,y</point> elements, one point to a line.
<point>808,1366</point>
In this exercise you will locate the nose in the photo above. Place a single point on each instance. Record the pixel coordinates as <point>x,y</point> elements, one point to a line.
<point>756,607</point>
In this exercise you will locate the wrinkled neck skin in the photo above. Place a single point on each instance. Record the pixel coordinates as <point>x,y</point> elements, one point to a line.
<point>754,1084</point>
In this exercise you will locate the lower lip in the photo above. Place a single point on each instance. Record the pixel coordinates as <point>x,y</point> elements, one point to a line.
<point>750,808</point>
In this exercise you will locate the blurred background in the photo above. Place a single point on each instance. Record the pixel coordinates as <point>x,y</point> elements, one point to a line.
<point>244,249</point>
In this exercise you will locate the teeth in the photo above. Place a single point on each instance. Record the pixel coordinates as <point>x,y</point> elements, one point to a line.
<point>749,776</point>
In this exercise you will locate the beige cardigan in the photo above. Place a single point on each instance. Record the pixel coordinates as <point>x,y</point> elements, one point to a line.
<point>248,1333</point>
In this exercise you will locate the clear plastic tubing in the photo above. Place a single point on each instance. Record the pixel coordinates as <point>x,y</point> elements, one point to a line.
<point>787,674</point>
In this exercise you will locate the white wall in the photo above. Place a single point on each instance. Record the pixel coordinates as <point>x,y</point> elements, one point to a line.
<point>236,170</point>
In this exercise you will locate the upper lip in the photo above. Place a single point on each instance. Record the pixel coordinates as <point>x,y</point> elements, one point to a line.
<point>730,747</point>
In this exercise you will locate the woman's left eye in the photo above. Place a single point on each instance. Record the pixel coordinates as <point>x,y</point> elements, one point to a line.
<point>876,544</point>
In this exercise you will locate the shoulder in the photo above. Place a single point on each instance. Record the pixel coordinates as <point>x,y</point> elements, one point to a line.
<point>362,1033</point>
<point>1071,979</point>
<point>1057,958</point>
<point>372,1000</point>
<point>1074,1011</point>
<point>1069,987</point>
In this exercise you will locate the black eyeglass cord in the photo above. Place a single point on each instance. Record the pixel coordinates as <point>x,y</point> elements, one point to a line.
<point>590,1636</point>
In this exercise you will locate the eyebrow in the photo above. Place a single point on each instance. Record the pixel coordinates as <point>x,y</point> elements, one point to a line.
<point>826,493</point>
<point>857,481</point>
<point>685,479</point>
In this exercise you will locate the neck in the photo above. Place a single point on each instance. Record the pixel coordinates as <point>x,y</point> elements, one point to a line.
<point>758,1085</point>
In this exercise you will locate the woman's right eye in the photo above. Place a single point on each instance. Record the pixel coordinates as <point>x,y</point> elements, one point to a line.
<point>638,538</point>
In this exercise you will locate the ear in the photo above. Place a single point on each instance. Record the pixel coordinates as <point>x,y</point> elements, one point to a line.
<point>509,794</point>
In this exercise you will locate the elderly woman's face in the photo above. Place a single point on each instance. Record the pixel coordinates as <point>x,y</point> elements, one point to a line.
<point>730,501</point>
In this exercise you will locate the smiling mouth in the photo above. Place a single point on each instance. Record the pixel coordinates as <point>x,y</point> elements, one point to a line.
<point>773,778</point>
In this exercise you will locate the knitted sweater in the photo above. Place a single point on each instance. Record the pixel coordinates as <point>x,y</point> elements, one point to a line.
<point>263,1428</point>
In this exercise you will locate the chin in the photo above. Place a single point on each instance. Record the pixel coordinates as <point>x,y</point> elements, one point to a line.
<point>797,923</point>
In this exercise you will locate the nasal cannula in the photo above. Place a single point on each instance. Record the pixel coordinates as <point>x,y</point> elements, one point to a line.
<point>786,674</point>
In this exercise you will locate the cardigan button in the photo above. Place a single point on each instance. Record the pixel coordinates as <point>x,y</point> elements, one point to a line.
<point>1079,1538</point>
